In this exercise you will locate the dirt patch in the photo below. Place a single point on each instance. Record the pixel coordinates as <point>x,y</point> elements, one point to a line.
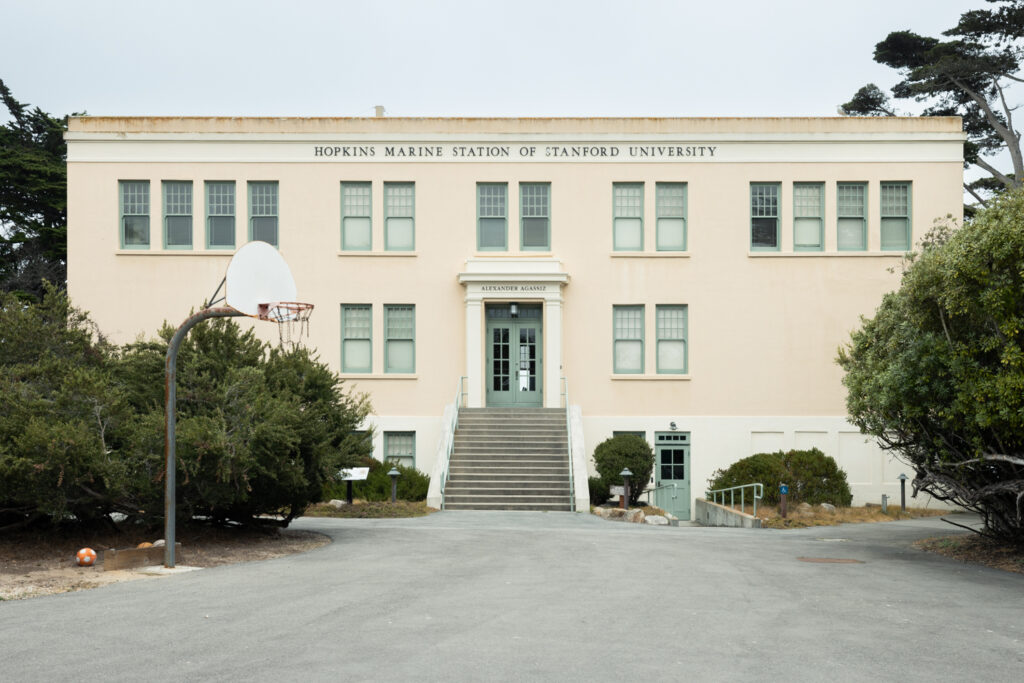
<point>42,564</point>
<point>361,509</point>
<point>977,550</point>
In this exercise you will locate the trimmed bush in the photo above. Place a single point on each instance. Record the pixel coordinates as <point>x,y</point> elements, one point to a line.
<point>812,476</point>
<point>412,484</point>
<point>599,491</point>
<point>625,451</point>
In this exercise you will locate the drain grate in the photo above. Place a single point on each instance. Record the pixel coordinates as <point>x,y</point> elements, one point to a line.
<point>830,560</point>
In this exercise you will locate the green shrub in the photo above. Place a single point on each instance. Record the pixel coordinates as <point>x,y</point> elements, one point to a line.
<point>625,451</point>
<point>599,490</point>
<point>812,477</point>
<point>412,484</point>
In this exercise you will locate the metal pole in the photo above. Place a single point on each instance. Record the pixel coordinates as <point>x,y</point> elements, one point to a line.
<point>170,415</point>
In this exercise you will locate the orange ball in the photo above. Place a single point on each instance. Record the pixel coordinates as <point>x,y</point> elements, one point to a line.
<point>86,557</point>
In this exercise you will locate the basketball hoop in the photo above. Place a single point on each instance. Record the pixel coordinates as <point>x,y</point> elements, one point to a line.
<point>292,318</point>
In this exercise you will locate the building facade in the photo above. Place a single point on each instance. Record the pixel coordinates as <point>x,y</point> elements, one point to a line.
<point>689,280</point>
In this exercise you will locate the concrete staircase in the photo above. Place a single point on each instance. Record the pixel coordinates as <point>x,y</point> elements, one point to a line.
<point>509,459</point>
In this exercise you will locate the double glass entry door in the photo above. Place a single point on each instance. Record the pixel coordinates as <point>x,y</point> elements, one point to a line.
<point>514,356</point>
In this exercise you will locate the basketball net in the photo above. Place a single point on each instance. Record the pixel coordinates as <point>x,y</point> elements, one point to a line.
<point>292,318</point>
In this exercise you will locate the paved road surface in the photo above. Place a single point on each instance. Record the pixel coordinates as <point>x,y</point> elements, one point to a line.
<point>471,596</point>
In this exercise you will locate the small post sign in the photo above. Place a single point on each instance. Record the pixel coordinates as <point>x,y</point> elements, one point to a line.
<point>783,492</point>
<point>351,474</point>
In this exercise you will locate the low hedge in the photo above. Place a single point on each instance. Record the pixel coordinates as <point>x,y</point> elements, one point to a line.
<point>812,477</point>
<point>412,484</point>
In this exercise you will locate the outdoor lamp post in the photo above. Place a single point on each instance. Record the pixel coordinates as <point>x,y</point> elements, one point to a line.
<point>394,474</point>
<point>903,492</point>
<point>625,474</point>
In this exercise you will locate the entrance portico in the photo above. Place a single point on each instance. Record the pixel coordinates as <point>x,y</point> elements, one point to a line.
<point>521,281</point>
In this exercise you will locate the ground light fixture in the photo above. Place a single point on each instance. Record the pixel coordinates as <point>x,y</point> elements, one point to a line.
<point>625,474</point>
<point>394,474</point>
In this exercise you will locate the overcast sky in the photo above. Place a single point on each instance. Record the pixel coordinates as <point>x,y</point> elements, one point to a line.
<point>453,57</point>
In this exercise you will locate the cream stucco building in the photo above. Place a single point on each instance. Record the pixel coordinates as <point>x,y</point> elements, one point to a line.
<point>687,279</point>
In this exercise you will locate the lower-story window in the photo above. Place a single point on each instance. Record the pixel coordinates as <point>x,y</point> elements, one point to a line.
<point>671,329</point>
<point>629,339</point>
<point>400,448</point>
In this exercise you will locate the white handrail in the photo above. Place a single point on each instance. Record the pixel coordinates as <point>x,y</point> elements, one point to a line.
<point>439,475</point>
<point>568,433</point>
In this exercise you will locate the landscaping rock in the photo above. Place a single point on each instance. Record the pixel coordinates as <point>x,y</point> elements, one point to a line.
<point>803,506</point>
<point>828,507</point>
<point>615,513</point>
<point>656,520</point>
<point>636,516</point>
<point>336,504</point>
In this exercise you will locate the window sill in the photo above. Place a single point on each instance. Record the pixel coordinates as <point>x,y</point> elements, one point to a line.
<point>825,254</point>
<point>651,378</point>
<point>650,254</point>
<point>377,375</point>
<point>175,252</point>
<point>376,254</point>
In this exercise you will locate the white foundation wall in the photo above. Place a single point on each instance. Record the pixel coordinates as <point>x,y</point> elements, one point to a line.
<point>717,442</point>
<point>428,432</point>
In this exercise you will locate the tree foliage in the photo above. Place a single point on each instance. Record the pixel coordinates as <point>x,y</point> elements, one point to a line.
<point>964,76</point>
<point>33,199</point>
<point>260,429</point>
<point>937,375</point>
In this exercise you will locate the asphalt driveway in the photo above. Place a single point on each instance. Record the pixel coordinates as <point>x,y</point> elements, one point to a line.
<point>469,596</point>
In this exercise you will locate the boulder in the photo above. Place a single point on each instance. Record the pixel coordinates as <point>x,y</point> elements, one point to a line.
<point>828,507</point>
<point>337,504</point>
<point>615,513</point>
<point>656,520</point>
<point>635,516</point>
<point>803,506</point>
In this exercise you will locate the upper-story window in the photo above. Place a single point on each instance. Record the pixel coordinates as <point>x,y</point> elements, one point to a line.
<point>399,216</point>
<point>764,216</point>
<point>220,214</point>
<point>851,211</point>
<point>134,214</point>
<point>670,322</point>
<point>535,216</point>
<point>808,216</point>
<point>492,216</point>
<point>356,230</point>
<point>628,339</point>
<point>628,216</point>
<point>177,214</point>
<point>670,207</point>
<point>263,212</point>
<point>895,202</point>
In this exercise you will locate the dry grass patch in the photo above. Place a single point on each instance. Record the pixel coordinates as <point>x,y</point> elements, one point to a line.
<point>978,550</point>
<point>797,518</point>
<point>361,509</point>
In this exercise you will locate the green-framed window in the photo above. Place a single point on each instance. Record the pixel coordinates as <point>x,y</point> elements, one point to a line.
<point>628,216</point>
<point>535,216</point>
<point>808,216</point>
<point>491,217</point>
<point>764,216</point>
<point>628,323</point>
<point>399,216</point>
<point>134,200</point>
<point>629,432</point>
<point>356,221</point>
<point>220,214</point>
<point>671,334</point>
<point>356,338</point>
<point>670,208</point>
<point>400,338</point>
<point>895,202</point>
<point>177,214</point>
<point>400,447</point>
<point>852,216</point>
<point>263,211</point>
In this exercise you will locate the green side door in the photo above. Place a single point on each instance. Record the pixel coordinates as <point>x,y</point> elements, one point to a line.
<point>672,472</point>
<point>514,352</point>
